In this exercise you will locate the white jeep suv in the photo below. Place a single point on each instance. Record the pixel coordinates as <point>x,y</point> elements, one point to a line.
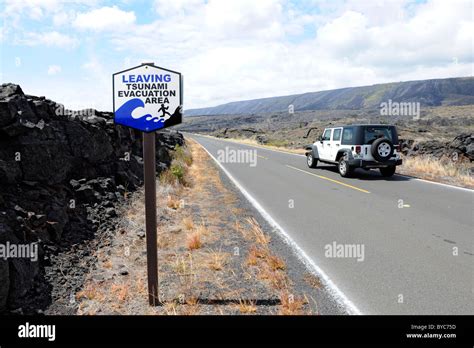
<point>357,146</point>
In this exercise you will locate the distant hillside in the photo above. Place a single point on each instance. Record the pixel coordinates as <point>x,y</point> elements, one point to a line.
<point>452,91</point>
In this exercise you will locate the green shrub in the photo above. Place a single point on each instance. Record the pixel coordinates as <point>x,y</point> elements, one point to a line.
<point>182,154</point>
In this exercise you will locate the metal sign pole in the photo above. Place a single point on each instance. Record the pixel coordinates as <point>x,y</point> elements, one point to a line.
<point>150,215</point>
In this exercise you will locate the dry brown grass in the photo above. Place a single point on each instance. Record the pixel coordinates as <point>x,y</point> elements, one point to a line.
<point>256,253</point>
<point>192,301</point>
<point>217,260</point>
<point>313,280</point>
<point>192,307</point>
<point>290,304</point>
<point>163,241</point>
<point>196,265</point>
<point>173,202</point>
<point>170,308</point>
<point>252,259</point>
<point>247,306</point>
<point>437,170</point>
<point>120,291</point>
<point>167,178</point>
<point>90,293</point>
<point>183,265</point>
<point>257,232</point>
<point>188,223</point>
<point>277,279</point>
<point>275,262</point>
<point>270,267</point>
<point>244,231</point>
<point>202,229</point>
<point>140,286</point>
<point>193,240</point>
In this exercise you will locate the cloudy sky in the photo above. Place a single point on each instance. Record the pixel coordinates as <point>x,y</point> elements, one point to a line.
<point>231,50</point>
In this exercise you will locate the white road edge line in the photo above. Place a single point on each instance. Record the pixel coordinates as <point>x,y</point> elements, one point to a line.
<point>436,183</point>
<point>336,293</point>
<point>296,154</point>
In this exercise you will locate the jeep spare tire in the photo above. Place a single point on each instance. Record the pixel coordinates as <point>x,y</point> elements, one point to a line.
<point>382,149</point>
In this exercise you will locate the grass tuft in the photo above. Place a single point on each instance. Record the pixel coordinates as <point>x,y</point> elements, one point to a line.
<point>188,223</point>
<point>247,306</point>
<point>217,260</point>
<point>291,305</point>
<point>193,241</point>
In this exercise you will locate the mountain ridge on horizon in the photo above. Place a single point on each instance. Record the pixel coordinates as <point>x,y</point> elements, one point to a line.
<point>432,92</point>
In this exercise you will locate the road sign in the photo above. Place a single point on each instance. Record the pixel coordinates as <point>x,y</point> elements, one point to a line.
<point>147,97</point>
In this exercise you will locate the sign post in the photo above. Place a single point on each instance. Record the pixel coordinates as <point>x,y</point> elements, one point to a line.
<point>149,172</point>
<point>148,98</point>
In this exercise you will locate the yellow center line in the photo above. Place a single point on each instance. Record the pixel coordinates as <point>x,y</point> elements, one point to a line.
<point>326,178</point>
<point>262,157</point>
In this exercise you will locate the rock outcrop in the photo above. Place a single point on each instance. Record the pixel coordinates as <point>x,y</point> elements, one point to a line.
<point>462,146</point>
<point>61,176</point>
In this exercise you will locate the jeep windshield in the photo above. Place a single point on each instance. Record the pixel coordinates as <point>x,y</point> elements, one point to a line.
<point>371,133</point>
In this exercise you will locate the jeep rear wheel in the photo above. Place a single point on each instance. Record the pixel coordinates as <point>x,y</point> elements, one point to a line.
<point>388,171</point>
<point>311,161</point>
<point>344,169</point>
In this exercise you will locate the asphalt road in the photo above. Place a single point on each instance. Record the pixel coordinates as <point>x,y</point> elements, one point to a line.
<point>409,263</point>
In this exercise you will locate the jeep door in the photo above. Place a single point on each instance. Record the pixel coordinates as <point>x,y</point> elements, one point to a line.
<point>324,148</point>
<point>335,143</point>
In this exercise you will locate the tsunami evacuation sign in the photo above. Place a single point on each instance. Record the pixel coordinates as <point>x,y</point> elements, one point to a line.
<point>148,98</point>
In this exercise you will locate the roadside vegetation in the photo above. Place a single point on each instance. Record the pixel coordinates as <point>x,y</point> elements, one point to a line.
<point>214,257</point>
<point>445,170</point>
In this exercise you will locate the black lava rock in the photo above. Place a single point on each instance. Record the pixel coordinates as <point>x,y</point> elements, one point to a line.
<point>60,178</point>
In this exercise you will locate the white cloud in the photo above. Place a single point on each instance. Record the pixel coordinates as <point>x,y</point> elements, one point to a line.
<point>344,35</point>
<point>231,19</point>
<point>105,19</point>
<point>242,49</point>
<point>239,49</point>
<point>54,69</point>
<point>51,38</point>
<point>62,18</point>
<point>168,8</point>
<point>34,9</point>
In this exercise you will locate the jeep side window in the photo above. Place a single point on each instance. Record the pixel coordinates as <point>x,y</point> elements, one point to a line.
<point>336,135</point>
<point>327,135</point>
<point>347,135</point>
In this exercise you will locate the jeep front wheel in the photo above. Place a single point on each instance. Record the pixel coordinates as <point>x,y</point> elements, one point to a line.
<point>344,169</point>
<point>388,171</point>
<point>311,161</point>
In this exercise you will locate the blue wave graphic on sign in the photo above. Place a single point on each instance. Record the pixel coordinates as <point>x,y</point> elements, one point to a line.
<point>146,122</point>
